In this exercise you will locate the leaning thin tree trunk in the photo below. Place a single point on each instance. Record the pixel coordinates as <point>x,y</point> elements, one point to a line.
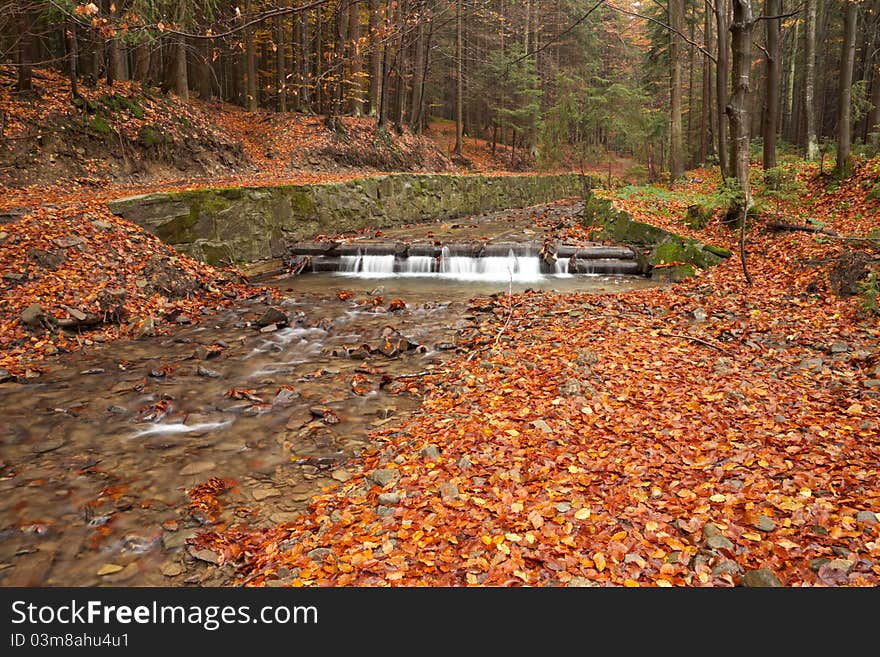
<point>741,39</point>
<point>810,82</point>
<point>772,82</point>
<point>721,83</point>
<point>676,155</point>
<point>844,109</point>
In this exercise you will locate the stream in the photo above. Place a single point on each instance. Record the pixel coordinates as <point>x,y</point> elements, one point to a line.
<point>98,455</point>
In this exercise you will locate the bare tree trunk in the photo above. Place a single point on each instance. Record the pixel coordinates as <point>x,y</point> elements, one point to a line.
<point>403,65</point>
<point>741,39</point>
<point>281,63</point>
<point>250,99</point>
<point>320,96</point>
<point>772,82</point>
<point>721,82</point>
<point>788,110</point>
<point>113,65</point>
<point>874,115</point>
<point>25,56</point>
<point>355,63</point>
<point>72,55</point>
<point>810,82</point>
<point>206,78</point>
<point>706,90</point>
<point>676,156</point>
<point>304,95</point>
<point>339,59</point>
<point>181,81</point>
<point>691,123</point>
<point>142,61</point>
<point>738,110</point>
<point>843,166</point>
<point>418,57</point>
<point>459,85</point>
<point>421,118</point>
<point>375,59</point>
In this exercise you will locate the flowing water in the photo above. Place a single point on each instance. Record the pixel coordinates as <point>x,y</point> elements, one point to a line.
<point>99,453</point>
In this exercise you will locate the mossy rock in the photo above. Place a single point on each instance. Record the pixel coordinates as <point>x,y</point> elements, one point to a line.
<point>673,274</point>
<point>622,228</point>
<point>597,211</point>
<point>666,253</point>
<point>720,251</point>
<point>698,216</point>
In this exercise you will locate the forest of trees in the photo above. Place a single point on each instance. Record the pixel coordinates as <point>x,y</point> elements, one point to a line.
<point>669,83</point>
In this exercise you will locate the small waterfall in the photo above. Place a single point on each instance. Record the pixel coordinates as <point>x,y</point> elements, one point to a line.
<point>373,265</point>
<point>367,266</point>
<point>415,265</point>
<point>525,268</point>
<point>490,268</point>
<point>350,264</point>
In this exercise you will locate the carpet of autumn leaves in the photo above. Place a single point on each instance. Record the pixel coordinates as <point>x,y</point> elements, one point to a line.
<point>678,436</point>
<point>98,253</point>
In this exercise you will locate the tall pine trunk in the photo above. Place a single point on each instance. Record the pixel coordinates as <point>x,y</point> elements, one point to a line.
<point>705,101</point>
<point>676,154</point>
<point>25,53</point>
<point>459,84</point>
<point>810,82</point>
<point>844,105</point>
<point>721,81</point>
<point>741,40</point>
<point>738,108</point>
<point>874,114</point>
<point>772,82</point>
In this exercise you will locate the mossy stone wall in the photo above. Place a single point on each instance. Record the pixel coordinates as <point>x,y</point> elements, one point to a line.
<point>248,224</point>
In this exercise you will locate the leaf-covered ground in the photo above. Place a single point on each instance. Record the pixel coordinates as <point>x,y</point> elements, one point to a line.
<point>702,434</point>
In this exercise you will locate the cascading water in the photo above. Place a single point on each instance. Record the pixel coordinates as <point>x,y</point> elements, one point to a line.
<point>560,267</point>
<point>490,268</point>
<point>523,268</point>
<point>367,266</point>
<point>418,265</point>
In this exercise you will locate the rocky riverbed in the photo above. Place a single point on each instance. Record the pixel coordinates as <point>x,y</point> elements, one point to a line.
<point>101,457</point>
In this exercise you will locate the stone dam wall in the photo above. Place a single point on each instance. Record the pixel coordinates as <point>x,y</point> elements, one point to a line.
<point>248,224</point>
